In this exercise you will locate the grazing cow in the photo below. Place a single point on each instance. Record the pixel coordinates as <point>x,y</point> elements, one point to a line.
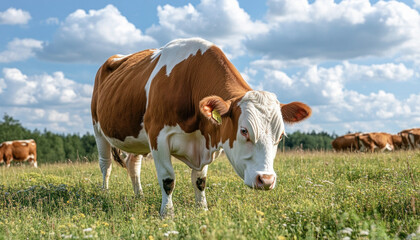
<point>414,136</point>
<point>372,141</point>
<point>405,139</point>
<point>18,150</point>
<point>187,100</point>
<point>397,141</point>
<point>348,142</point>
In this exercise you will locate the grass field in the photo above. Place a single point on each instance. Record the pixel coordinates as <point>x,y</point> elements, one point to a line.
<point>318,196</point>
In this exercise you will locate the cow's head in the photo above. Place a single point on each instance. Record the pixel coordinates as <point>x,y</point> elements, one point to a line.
<point>258,121</point>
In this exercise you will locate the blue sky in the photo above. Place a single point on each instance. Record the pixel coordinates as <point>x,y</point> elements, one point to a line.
<point>355,62</point>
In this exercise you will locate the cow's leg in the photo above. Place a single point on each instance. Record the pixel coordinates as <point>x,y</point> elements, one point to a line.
<point>166,178</point>
<point>104,152</point>
<point>134,168</point>
<point>198,179</point>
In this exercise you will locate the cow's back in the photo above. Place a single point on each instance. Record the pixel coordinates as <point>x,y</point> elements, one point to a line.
<point>119,98</point>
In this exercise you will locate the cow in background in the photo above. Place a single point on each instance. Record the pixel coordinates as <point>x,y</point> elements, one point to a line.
<point>348,142</point>
<point>18,150</point>
<point>405,139</point>
<point>397,141</point>
<point>414,137</point>
<point>376,140</point>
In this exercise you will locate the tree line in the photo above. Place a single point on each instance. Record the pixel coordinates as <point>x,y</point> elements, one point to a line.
<point>53,147</point>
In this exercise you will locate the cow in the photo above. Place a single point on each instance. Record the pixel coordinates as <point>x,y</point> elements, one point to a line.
<point>405,139</point>
<point>348,142</point>
<point>18,150</point>
<point>397,141</point>
<point>414,137</point>
<point>376,140</point>
<point>186,100</point>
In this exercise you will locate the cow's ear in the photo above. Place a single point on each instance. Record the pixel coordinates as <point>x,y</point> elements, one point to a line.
<point>214,107</point>
<point>295,112</point>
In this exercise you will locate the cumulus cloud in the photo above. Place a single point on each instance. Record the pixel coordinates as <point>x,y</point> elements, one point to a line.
<point>335,106</point>
<point>41,90</point>
<point>13,16</point>
<point>222,22</point>
<point>94,36</point>
<point>20,50</point>
<point>328,30</point>
<point>46,101</point>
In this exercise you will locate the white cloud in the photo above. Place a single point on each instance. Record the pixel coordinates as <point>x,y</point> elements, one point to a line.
<point>20,50</point>
<point>222,22</point>
<point>329,30</point>
<point>94,36</point>
<point>42,90</point>
<point>46,101</point>
<point>13,16</point>
<point>334,106</point>
<point>417,3</point>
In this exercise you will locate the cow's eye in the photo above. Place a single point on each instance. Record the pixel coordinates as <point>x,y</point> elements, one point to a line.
<point>244,132</point>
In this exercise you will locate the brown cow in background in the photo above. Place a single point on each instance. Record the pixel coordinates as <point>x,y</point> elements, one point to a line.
<point>397,142</point>
<point>414,137</point>
<point>376,140</point>
<point>348,142</point>
<point>18,150</point>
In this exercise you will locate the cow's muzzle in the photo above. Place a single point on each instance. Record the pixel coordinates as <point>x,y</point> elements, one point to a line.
<point>265,181</point>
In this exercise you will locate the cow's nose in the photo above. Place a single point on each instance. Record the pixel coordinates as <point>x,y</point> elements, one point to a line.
<point>265,181</point>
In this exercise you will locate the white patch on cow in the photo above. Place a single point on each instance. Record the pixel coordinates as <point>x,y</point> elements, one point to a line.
<point>131,144</point>
<point>30,156</point>
<point>388,147</point>
<point>190,148</point>
<point>120,56</point>
<point>261,116</point>
<point>412,140</point>
<point>173,53</point>
<point>24,144</point>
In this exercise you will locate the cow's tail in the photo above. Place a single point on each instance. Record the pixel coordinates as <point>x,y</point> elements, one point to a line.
<point>116,153</point>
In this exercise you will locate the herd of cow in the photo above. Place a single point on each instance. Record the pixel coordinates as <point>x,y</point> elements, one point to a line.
<point>378,141</point>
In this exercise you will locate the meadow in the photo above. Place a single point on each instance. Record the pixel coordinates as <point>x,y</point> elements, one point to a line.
<point>319,195</point>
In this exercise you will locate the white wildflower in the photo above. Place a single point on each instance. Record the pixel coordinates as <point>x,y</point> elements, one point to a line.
<point>170,232</point>
<point>346,231</point>
<point>87,230</point>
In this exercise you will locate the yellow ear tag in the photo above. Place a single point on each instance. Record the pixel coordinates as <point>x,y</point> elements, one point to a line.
<point>216,116</point>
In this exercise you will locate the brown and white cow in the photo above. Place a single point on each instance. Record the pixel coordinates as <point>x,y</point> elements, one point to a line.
<point>18,150</point>
<point>375,141</point>
<point>414,137</point>
<point>348,142</point>
<point>187,100</point>
<point>407,144</point>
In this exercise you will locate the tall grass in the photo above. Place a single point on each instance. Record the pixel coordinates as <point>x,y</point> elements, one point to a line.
<point>319,195</point>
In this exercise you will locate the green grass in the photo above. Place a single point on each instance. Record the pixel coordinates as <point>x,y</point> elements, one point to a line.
<point>318,196</point>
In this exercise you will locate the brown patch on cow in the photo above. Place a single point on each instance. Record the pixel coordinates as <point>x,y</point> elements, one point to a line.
<point>119,98</point>
<point>18,150</point>
<point>348,142</point>
<point>295,112</point>
<point>190,81</point>
<point>201,183</point>
<point>168,185</point>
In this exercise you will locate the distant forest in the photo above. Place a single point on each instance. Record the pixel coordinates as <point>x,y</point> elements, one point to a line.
<point>53,147</point>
